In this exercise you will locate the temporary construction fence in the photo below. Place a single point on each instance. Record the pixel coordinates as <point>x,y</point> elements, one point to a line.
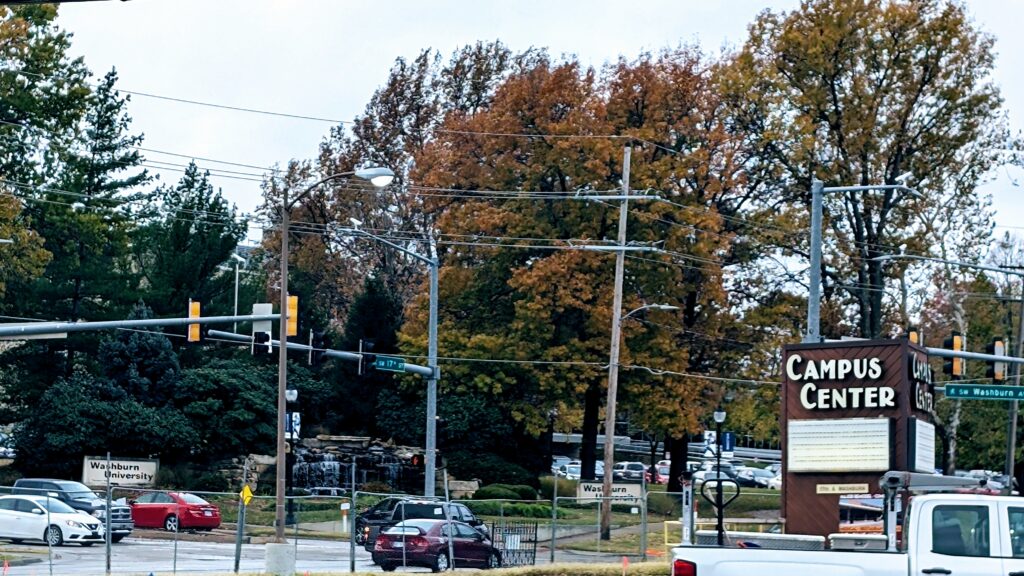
<point>176,537</point>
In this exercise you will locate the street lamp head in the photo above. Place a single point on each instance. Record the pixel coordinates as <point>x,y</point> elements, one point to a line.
<point>719,416</point>
<point>355,223</point>
<point>237,258</point>
<point>665,307</point>
<point>378,176</point>
<point>902,178</point>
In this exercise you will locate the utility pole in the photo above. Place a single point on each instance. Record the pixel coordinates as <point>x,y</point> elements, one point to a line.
<point>613,364</point>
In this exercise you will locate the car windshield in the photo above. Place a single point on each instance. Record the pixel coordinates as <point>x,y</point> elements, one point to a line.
<point>76,490</point>
<point>763,473</point>
<point>54,506</point>
<point>572,469</point>
<point>192,499</point>
<point>428,510</point>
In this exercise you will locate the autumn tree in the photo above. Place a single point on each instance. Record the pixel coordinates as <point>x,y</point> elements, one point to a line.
<point>858,92</point>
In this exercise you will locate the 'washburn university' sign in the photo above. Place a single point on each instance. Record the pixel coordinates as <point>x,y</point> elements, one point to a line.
<point>851,411</point>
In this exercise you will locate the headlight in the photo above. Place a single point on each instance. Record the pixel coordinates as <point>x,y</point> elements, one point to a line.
<point>97,513</point>
<point>75,524</point>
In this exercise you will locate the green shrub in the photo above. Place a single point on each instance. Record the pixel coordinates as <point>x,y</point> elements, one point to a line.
<point>522,491</point>
<point>663,504</point>
<point>509,509</point>
<point>495,492</point>
<point>377,487</point>
<point>565,487</point>
<point>488,468</point>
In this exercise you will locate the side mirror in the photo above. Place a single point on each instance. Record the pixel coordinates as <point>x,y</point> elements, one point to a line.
<point>53,494</point>
<point>132,502</point>
<point>37,511</point>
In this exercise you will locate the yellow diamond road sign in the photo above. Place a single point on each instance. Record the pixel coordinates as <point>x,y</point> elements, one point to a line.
<point>245,495</point>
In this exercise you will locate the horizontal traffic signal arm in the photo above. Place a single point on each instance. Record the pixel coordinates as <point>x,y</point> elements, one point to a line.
<point>351,356</point>
<point>12,332</point>
<point>944,353</point>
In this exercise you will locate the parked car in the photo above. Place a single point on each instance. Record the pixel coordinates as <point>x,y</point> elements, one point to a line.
<point>47,519</point>
<point>82,498</point>
<point>425,543</point>
<point>631,471</point>
<point>701,476</point>
<point>174,511</point>
<point>753,477</point>
<point>573,470</point>
<point>569,471</point>
<point>559,461</point>
<point>775,483</point>
<point>663,472</point>
<point>370,523</point>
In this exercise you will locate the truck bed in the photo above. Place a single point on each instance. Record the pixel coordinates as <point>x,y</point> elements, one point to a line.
<point>715,561</point>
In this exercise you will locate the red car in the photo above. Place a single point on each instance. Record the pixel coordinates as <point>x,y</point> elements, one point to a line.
<point>425,543</point>
<point>174,511</point>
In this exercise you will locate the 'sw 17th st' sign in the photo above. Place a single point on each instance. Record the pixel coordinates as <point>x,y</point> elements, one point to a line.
<point>981,392</point>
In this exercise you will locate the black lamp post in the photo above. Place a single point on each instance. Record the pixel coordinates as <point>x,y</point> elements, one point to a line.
<point>719,419</point>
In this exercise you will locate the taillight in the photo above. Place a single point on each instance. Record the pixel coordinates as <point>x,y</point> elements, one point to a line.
<point>416,542</point>
<point>381,543</point>
<point>684,568</point>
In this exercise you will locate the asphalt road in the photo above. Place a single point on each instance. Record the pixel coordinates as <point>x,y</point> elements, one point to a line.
<point>143,556</point>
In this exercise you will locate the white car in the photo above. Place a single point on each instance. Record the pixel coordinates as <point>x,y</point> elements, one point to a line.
<point>46,519</point>
<point>775,483</point>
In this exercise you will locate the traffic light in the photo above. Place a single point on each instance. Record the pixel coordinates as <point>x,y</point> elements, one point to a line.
<point>954,366</point>
<point>194,330</point>
<point>261,344</point>
<point>417,460</point>
<point>914,335</point>
<point>996,370</point>
<point>317,345</point>
<point>366,361</point>
<point>293,315</point>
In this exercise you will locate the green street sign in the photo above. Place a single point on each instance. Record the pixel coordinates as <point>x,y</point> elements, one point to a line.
<point>389,363</point>
<point>981,392</point>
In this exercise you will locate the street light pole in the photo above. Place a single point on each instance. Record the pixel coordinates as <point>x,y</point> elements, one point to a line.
<point>379,177</point>
<point>818,191</point>
<point>238,260</point>
<point>609,432</point>
<point>430,462</point>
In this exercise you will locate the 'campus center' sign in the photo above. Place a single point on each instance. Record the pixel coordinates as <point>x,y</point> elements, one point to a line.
<point>851,411</point>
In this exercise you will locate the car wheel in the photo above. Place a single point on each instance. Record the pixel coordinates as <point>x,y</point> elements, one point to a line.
<point>171,523</point>
<point>441,564</point>
<point>116,539</point>
<point>388,567</point>
<point>53,536</point>
<point>493,561</point>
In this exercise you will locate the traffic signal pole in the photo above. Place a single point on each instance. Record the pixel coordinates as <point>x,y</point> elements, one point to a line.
<point>1011,424</point>
<point>40,328</point>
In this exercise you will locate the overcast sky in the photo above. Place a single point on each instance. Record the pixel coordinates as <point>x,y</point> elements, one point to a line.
<point>324,58</point>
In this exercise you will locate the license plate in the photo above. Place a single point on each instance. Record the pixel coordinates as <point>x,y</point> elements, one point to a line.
<point>207,513</point>
<point>398,544</point>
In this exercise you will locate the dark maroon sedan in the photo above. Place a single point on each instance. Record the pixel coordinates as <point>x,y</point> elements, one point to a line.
<point>425,543</point>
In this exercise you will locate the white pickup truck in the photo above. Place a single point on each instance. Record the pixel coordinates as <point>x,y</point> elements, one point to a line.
<point>958,534</point>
